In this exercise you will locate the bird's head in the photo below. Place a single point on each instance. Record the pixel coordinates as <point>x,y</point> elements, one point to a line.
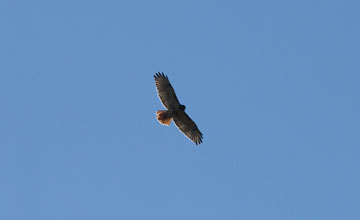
<point>182,107</point>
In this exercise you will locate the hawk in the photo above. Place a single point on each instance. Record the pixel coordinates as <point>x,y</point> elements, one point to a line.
<point>175,111</point>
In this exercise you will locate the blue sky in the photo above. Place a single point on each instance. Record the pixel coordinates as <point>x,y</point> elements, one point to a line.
<point>272,85</point>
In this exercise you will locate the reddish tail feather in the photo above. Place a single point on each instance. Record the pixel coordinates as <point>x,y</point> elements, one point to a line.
<point>163,118</point>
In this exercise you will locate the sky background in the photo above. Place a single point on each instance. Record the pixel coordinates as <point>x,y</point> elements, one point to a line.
<point>272,85</point>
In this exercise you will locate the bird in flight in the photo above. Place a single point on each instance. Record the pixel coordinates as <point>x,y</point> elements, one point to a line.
<point>175,111</point>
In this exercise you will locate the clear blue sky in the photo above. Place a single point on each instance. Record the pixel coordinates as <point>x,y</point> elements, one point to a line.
<point>273,85</point>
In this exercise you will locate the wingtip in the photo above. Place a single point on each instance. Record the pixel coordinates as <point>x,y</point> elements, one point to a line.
<point>156,75</point>
<point>199,140</point>
<point>160,75</point>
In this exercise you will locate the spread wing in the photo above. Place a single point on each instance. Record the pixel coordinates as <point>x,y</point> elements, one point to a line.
<point>188,127</point>
<point>165,91</point>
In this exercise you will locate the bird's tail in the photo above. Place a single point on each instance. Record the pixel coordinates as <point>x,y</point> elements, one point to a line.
<point>163,117</point>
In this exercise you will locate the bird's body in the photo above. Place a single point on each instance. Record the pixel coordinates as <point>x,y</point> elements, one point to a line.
<point>175,111</point>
